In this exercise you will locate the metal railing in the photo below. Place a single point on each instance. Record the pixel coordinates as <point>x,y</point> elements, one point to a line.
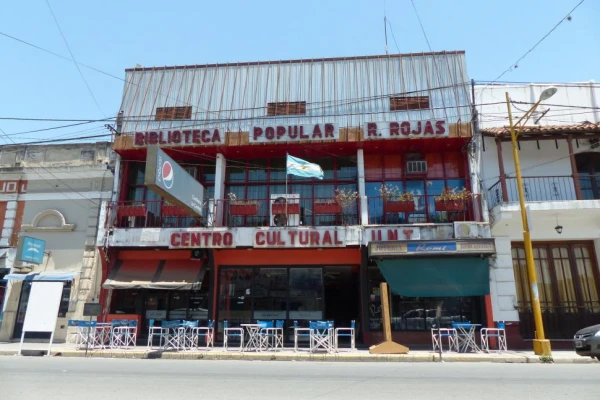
<point>543,188</point>
<point>424,209</point>
<point>238,213</point>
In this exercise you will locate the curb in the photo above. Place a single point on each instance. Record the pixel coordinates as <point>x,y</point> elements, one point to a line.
<point>339,357</point>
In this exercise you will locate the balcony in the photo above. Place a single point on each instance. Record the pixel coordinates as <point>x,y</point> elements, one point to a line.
<point>238,213</point>
<point>424,209</point>
<point>544,189</point>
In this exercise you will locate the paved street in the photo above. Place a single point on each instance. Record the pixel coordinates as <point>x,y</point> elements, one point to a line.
<point>75,378</point>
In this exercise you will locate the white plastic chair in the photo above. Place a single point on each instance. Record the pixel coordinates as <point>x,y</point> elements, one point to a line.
<point>346,332</point>
<point>206,332</point>
<point>444,333</point>
<point>233,332</point>
<point>298,333</point>
<point>498,333</point>
<point>154,331</point>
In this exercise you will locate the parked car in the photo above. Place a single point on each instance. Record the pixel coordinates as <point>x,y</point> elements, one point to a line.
<point>587,342</point>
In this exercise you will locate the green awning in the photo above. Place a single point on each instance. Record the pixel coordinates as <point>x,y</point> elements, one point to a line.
<point>437,277</point>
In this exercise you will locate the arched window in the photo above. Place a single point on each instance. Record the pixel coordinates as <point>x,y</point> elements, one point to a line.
<point>588,168</point>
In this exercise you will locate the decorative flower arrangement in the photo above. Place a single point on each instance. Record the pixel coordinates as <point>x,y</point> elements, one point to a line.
<point>233,200</point>
<point>345,198</point>
<point>393,193</point>
<point>453,194</point>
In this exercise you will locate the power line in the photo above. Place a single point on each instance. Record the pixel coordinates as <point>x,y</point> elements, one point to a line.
<point>420,23</point>
<point>56,119</point>
<point>73,58</point>
<point>516,64</point>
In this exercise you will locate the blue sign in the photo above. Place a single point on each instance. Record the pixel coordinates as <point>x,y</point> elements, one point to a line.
<point>33,250</point>
<point>430,247</point>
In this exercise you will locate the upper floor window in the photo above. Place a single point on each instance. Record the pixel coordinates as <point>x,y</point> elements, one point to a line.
<point>169,113</point>
<point>286,108</point>
<point>406,103</point>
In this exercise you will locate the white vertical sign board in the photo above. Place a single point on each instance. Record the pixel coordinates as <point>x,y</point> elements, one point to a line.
<point>42,309</point>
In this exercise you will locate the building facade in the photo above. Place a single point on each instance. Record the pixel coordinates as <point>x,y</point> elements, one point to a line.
<point>560,163</point>
<point>392,135</point>
<point>51,195</point>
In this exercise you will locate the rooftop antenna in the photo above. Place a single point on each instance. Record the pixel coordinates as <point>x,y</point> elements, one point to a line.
<point>385,28</point>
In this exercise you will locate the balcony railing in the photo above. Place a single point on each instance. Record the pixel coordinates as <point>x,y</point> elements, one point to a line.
<point>239,213</point>
<point>300,212</point>
<point>544,188</point>
<point>424,209</point>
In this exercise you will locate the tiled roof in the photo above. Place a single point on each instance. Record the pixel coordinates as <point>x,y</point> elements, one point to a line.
<point>548,130</point>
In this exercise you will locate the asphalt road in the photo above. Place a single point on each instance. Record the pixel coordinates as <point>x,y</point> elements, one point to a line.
<point>26,378</point>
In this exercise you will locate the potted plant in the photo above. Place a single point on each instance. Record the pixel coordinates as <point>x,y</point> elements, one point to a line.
<point>452,200</point>
<point>396,201</point>
<point>341,200</point>
<point>171,210</point>
<point>242,207</point>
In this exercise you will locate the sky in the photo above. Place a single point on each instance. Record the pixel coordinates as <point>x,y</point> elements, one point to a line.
<point>112,35</point>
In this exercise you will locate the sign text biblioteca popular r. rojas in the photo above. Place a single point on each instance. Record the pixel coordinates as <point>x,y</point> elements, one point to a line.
<point>213,136</point>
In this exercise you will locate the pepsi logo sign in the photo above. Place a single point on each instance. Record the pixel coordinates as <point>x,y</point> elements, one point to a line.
<point>167,174</point>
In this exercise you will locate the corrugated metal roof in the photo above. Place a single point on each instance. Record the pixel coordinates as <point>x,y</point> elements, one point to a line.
<point>548,130</point>
<point>349,91</point>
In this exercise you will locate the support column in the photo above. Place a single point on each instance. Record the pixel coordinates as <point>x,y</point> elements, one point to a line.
<point>501,171</point>
<point>216,204</point>
<point>362,192</point>
<point>574,173</point>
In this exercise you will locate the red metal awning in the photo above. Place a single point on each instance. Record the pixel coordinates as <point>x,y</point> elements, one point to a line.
<point>158,274</point>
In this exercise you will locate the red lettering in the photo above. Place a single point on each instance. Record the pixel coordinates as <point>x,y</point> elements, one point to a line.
<point>327,238</point>
<point>293,132</point>
<point>280,132</point>
<point>257,132</point>
<point>271,238</point>
<point>270,133</point>
<point>408,233</point>
<point>205,136</point>
<point>139,139</point>
<point>206,237</point>
<point>371,129</point>
<point>176,137</point>
<point>185,239</point>
<point>317,132</point>
<point>216,136</point>
<point>259,239</point>
<point>335,238</point>
<point>161,139</point>
<point>329,128</point>
<point>419,129</point>
<point>292,235</point>
<point>428,128</point>
<point>394,129</point>
<point>302,135</point>
<point>216,239</point>
<point>175,240</point>
<point>314,238</point>
<point>303,238</point>
<point>152,138</point>
<point>392,234</point>
<point>279,241</point>
<point>195,240</point>
<point>186,134</point>
<point>405,128</point>
<point>440,127</point>
<point>227,239</point>
<point>196,136</point>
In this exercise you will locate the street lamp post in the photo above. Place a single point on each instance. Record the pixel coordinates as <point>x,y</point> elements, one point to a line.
<point>541,346</point>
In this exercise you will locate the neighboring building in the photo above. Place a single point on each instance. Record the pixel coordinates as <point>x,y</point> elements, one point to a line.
<point>400,120</point>
<point>51,193</point>
<point>560,163</point>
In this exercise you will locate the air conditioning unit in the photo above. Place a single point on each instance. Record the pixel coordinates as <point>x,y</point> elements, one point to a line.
<point>416,167</point>
<point>594,143</point>
<point>280,203</point>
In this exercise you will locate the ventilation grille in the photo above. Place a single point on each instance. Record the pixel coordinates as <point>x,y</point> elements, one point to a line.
<point>416,167</point>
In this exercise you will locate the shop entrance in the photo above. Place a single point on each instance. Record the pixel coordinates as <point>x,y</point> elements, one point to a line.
<point>298,294</point>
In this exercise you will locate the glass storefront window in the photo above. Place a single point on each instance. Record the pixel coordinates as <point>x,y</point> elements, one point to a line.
<point>418,313</point>
<point>235,291</point>
<point>270,293</point>
<point>306,294</point>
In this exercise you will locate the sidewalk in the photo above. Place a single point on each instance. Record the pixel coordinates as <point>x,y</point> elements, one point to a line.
<point>141,352</point>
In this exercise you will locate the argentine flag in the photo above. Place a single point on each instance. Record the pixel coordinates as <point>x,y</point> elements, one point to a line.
<point>299,167</point>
